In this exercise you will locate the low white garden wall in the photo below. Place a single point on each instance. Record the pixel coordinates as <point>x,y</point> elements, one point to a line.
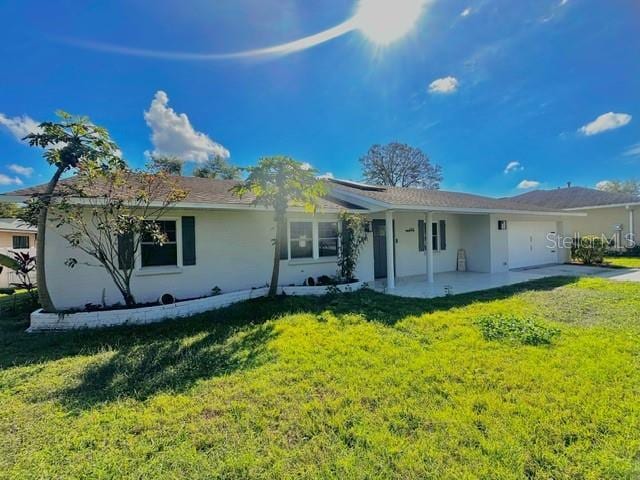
<point>41,321</point>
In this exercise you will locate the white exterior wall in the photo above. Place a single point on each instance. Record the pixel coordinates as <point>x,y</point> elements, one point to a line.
<point>409,260</point>
<point>499,244</point>
<point>234,251</point>
<point>602,221</point>
<point>476,241</point>
<point>487,248</point>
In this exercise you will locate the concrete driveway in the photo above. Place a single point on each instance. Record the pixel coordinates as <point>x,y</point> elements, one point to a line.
<point>622,274</point>
<point>464,282</point>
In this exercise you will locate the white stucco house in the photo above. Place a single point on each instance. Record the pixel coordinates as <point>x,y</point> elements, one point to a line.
<point>219,240</point>
<point>607,213</point>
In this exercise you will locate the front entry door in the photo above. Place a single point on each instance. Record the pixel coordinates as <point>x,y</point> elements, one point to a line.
<point>380,248</point>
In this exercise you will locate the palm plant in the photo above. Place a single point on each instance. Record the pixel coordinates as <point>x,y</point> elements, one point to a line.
<point>279,182</point>
<point>67,144</point>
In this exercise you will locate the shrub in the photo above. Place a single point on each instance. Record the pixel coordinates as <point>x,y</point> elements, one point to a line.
<point>352,236</point>
<point>589,250</point>
<point>511,327</point>
<point>324,280</point>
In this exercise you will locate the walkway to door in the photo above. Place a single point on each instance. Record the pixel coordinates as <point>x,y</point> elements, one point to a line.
<point>464,282</point>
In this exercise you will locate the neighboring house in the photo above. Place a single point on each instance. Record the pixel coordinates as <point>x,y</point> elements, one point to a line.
<point>15,235</point>
<point>609,214</point>
<point>219,240</point>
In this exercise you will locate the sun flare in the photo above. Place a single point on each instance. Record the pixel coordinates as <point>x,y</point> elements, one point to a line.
<point>381,22</point>
<point>385,21</point>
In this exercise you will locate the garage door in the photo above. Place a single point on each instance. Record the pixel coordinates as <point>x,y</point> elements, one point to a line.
<point>529,244</point>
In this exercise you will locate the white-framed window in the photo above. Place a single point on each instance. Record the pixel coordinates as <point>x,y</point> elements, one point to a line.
<point>155,255</point>
<point>439,235</point>
<point>300,240</point>
<point>435,237</point>
<point>328,239</point>
<point>315,239</point>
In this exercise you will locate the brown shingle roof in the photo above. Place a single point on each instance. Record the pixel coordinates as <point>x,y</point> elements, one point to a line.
<point>199,190</point>
<point>420,197</point>
<point>574,197</point>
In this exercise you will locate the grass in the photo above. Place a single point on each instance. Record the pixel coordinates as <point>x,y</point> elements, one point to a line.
<point>359,385</point>
<point>623,262</point>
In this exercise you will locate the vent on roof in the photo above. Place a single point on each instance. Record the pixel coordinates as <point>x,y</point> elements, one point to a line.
<point>358,185</point>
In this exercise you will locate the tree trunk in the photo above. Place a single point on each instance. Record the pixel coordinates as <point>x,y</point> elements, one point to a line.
<point>129,299</point>
<point>43,292</point>
<point>275,275</point>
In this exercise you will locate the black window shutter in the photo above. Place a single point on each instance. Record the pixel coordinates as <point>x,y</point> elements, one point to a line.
<point>125,251</point>
<point>443,235</point>
<point>188,240</point>
<point>284,247</point>
<point>421,235</point>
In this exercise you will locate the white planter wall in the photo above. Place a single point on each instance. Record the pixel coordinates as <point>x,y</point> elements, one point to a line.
<point>41,321</point>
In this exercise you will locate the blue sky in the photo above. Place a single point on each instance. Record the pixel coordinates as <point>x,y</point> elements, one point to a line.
<point>553,85</point>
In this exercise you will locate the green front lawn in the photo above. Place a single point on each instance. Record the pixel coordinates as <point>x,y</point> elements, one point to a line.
<point>360,385</point>
<point>623,262</point>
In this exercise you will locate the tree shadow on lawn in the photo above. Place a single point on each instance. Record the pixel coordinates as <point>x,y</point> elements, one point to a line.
<point>19,348</point>
<point>172,356</point>
<point>170,364</point>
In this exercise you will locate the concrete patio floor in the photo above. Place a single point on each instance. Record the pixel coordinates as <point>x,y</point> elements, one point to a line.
<point>463,282</point>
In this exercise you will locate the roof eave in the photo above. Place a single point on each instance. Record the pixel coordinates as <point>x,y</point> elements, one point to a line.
<point>426,208</point>
<point>13,198</point>
<point>611,205</point>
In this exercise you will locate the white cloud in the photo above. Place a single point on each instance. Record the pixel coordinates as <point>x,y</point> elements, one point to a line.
<point>20,170</point>
<point>513,167</point>
<point>603,184</point>
<point>563,2</point>
<point>606,121</point>
<point>7,180</point>
<point>326,175</point>
<point>306,166</point>
<point>632,151</point>
<point>19,127</point>
<point>525,184</point>
<point>444,85</point>
<point>173,134</point>
<point>466,12</point>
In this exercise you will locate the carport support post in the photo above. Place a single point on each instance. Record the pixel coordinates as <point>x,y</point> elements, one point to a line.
<point>391,273</point>
<point>429,241</point>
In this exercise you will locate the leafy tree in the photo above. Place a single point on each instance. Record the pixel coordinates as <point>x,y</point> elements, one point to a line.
<point>69,143</point>
<point>353,236</point>
<point>278,182</point>
<point>106,212</point>
<point>10,210</point>
<point>400,165</point>
<point>631,187</point>
<point>219,168</point>
<point>168,164</point>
